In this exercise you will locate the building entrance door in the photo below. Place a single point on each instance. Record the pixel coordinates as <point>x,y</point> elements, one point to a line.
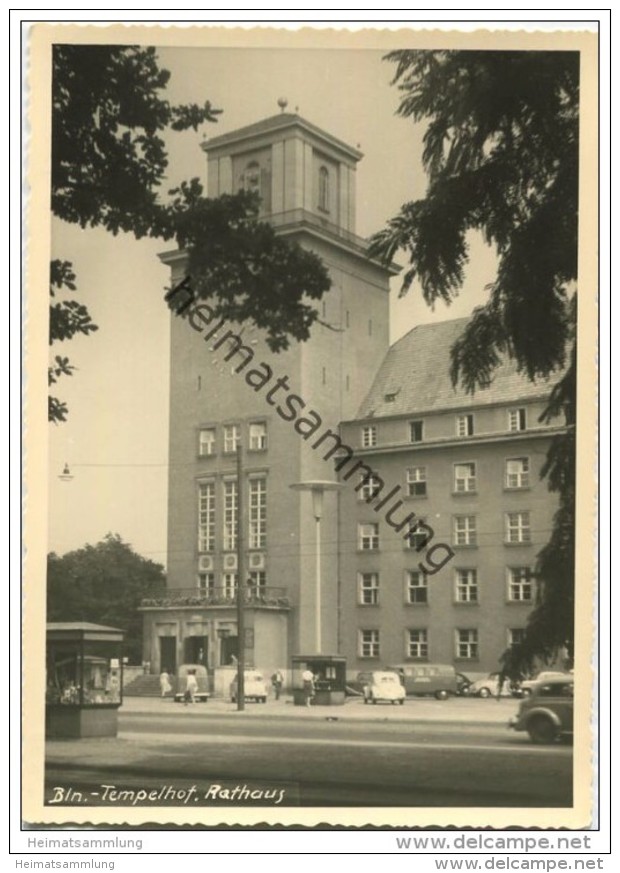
<point>168,654</point>
<point>195,650</point>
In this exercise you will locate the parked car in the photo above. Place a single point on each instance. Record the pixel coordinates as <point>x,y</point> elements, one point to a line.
<point>382,685</point>
<point>547,712</point>
<point>525,687</point>
<point>202,694</point>
<point>490,686</point>
<point>463,684</point>
<point>424,679</point>
<point>254,687</point>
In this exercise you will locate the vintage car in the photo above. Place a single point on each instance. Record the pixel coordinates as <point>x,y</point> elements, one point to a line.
<point>547,712</point>
<point>525,687</point>
<point>438,680</point>
<point>490,686</point>
<point>254,687</point>
<point>382,685</point>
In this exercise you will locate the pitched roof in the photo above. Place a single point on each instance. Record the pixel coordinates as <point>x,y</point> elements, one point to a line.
<point>274,123</point>
<point>416,374</point>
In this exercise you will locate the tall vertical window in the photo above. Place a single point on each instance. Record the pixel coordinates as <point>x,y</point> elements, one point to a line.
<point>206,517</point>
<point>324,189</point>
<point>517,419</point>
<point>464,478</point>
<point>416,590</point>
<point>368,643</point>
<point>518,527</point>
<point>230,515</point>
<point>464,530</point>
<point>206,441</point>
<point>258,513</point>
<point>520,585</point>
<point>229,585</point>
<point>416,481</point>
<point>466,586</point>
<point>258,436</point>
<point>466,646</point>
<point>517,472</point>
<point>464,425</point>
<point>369,436</point>
<point>368,589</point>
<point>417,643</point>
<point>231,437</point>
<point>368,536</point>
<point>206,583</point>
<point>416,431</point>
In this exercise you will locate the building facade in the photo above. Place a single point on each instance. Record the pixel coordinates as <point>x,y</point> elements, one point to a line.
<point>341,406</point>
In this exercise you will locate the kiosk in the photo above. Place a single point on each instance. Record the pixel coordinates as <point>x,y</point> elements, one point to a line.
<point>329,672</point>
<point>84,679</point>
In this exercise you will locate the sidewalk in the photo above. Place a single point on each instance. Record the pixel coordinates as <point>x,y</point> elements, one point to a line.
<point>458,710</point>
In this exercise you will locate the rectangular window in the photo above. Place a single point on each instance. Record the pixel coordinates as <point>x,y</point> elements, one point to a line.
<point>371,485</point>
<point>518,527</point>
<point>417,643</point>
<point>369,436</point>
<point>206,583</point>
<point>464,530</point>
<point>416,481</point>
<point>467,644</point>
<point>368,643</point>
<point>517,472</point>
<point>368,589</point>
<point>230,516</point>
<point>517,419</point>
<point>258,513</point>
<point>368,536</point>
<point>206,441</point>
<point>258,581</point>
<point>464,478</point>
<point>416,431</point>
<point>520,585</point>
<point>416,590</point>
<point>515,635</point>
<point>466,586</point>
<point>229,585</point>
<point>206,517</point>
<point>419,536</point>
<point>464,425</point>
<point>231,438</point>
<point>258,436</point>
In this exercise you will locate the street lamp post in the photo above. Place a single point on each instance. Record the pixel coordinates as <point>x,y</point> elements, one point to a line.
<point>317,487</point>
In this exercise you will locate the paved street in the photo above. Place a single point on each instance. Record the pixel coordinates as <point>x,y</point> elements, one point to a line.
<point>427,753</point>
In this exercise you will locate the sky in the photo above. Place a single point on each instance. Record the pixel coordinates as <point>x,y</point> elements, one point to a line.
<point>115,440</point>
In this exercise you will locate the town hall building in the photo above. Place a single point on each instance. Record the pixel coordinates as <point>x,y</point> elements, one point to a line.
<point>429,537</point>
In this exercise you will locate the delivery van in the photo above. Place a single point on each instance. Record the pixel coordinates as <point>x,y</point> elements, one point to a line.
<point>425,679</point>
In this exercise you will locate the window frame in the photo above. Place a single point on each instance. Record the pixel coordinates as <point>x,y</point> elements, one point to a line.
<point>470,481</point>
<point>424,643</point>
<point>521,419</point>
<point>206,531</point>
<point>374,643</point>
<point>522,476</point>
<point>421,588</point>
<point>466,419</point>
<point>414,424</point>
<point>262,436</point>
<point>372,589</point>
<point>372,539</point>
<point>468,530</point>
<point>521,585</point>
<point>417,481</point>
<point>369,436</point>
<point>473,641</point>
<point>466,582</point>
<point>236,438</point>
<point>521,540</point>
<point>211,444</point>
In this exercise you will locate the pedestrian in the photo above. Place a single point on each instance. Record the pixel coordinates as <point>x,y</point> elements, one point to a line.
<point>164,683</point>
<point>308,680</point>
<point>277,680</point>
<point>191,687</point>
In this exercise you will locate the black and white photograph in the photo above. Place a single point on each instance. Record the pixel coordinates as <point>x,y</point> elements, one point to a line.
<point>311,536</point>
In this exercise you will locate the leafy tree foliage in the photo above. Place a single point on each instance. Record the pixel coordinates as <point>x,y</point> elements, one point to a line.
<point>501,154</point>
<point>103,584</point>
<point>108,165</point>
